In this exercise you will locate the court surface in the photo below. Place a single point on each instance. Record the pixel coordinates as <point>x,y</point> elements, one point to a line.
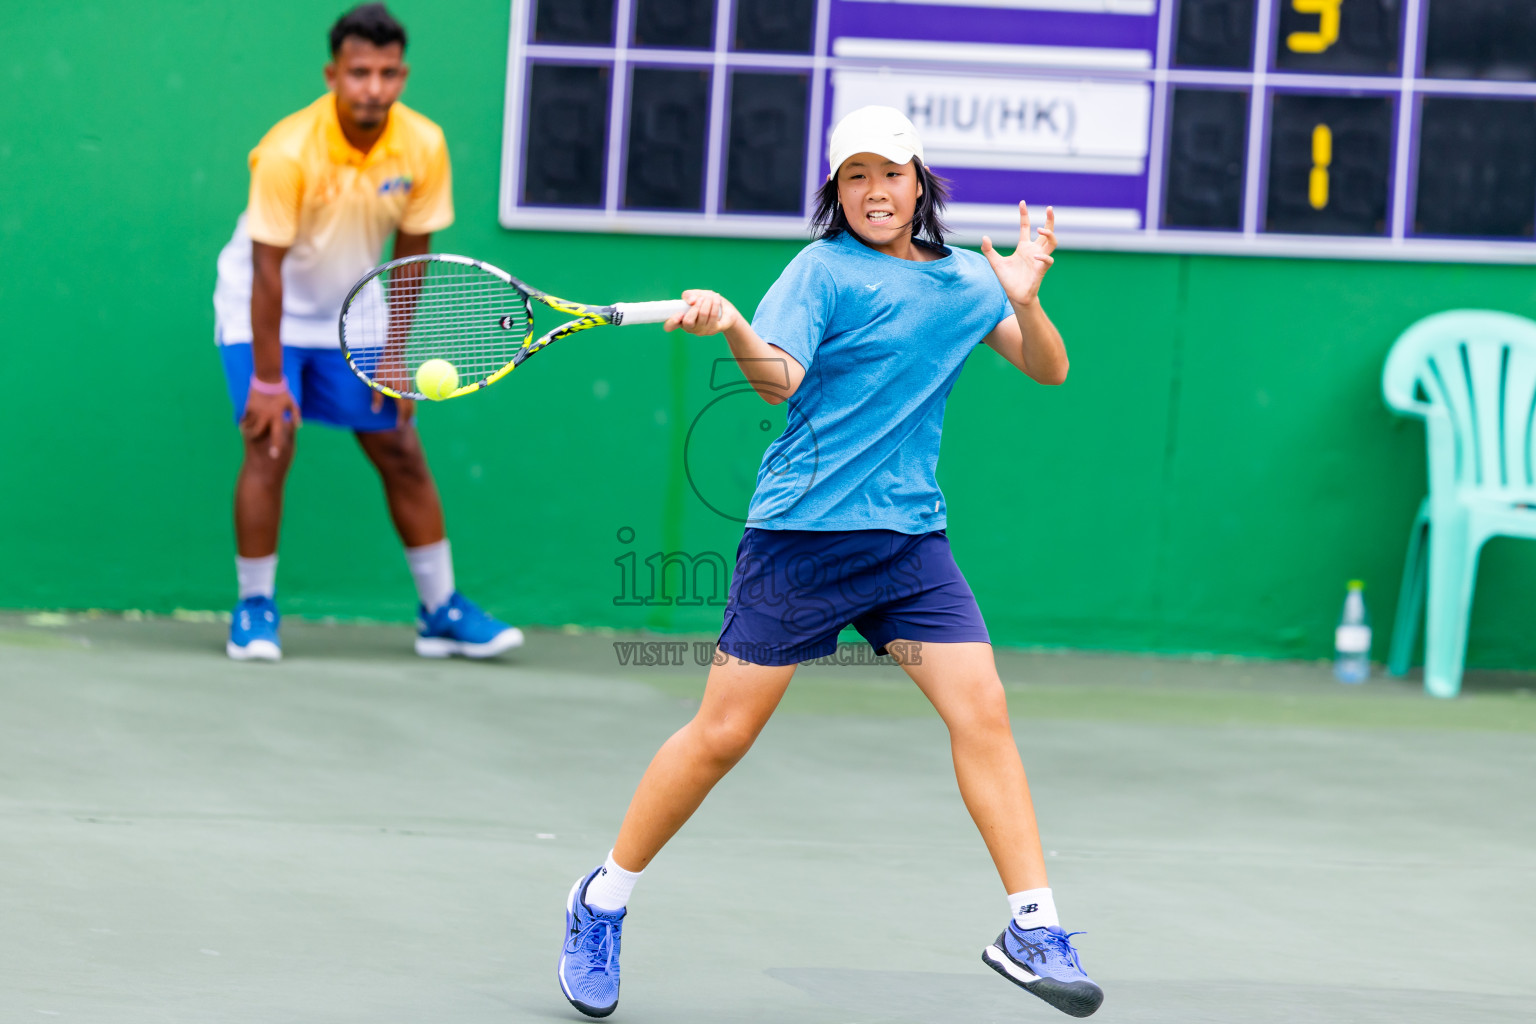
<point>358,835</point>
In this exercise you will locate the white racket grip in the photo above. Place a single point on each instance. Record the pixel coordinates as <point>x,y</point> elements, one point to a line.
<point>647,312</point>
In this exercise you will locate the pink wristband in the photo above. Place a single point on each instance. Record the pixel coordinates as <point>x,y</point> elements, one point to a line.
<point>262,387</point>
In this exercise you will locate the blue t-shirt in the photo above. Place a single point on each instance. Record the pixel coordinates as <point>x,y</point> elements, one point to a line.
<point>882,341</point>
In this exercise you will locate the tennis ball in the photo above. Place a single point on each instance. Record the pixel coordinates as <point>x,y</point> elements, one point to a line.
<point>437,379</point>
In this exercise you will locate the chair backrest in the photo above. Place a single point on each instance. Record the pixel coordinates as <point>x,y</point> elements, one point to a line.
<point>1471,374</point>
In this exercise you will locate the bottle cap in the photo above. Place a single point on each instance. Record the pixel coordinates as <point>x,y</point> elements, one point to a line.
<point>1356,584</point>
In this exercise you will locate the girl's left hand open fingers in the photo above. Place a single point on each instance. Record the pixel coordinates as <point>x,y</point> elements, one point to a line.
<point>1049,231</point>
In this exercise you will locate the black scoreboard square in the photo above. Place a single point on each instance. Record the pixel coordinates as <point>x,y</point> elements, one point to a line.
<point>774,26</point>
<point>765,159</point>
<point>1207,138</point>
<point>1477,168</point>
<point>1330,158</point>
<point>1355,37</point>
<point>574,21</point>
<point>1492,39</point>
<point>675,24</point>
<point>1214,34</point>
<point>567,135</point>
<point>668,118</point>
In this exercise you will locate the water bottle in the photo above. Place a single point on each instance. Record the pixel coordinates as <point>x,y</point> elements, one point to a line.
<point>1352,640</point>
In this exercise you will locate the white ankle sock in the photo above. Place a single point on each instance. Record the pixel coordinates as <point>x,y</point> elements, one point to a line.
<point>257,576</point>
<point>432,569</point>
<point>611,888</point>
<point>1033,908</point>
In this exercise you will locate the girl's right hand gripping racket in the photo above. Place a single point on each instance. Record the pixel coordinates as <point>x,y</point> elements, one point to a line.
<point>472,315</point>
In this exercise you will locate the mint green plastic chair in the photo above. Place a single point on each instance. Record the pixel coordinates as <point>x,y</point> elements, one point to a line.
<point>1471,375</point>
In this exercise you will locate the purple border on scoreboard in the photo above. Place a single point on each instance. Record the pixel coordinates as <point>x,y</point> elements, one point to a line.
<point>1053,188</point>
<point>933,23</point>
<point>937,22</point>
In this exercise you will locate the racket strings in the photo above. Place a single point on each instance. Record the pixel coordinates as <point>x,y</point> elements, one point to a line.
<point>434,309</point>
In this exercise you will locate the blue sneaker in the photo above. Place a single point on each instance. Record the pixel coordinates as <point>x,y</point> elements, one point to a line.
<point>253,631</point>
<point>1042,961</point>
<point>460,627</point>
<point>589,962</point>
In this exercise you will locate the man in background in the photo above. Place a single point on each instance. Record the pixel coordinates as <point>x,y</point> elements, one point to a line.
<point>329,185</point>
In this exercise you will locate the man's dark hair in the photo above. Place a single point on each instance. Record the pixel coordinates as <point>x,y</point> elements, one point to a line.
<point>928,227</point>
<point>372,22</point>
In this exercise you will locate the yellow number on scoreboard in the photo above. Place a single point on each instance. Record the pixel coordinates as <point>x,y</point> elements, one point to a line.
<point>1322,157</point>
<point>1327,33</point>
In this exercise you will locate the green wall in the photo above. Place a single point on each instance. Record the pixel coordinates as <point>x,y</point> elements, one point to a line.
<point>1218,465</point>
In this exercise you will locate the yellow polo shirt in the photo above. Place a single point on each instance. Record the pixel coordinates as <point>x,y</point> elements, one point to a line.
<point>334,208</point>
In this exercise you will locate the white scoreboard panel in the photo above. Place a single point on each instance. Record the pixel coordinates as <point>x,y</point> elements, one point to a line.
<point>1371,128</point>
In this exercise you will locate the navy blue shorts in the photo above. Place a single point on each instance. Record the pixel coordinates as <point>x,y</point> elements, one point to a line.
<point>795,590</point>
<point>321,382</point>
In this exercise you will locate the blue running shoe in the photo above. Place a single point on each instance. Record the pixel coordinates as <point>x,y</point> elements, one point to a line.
<point>1042,961</point>
<point>589,963</point>
<point>253,631</point>
<point>459,626</point>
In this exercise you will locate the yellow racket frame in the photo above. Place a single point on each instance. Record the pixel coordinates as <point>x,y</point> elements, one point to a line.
<point>586,316</point>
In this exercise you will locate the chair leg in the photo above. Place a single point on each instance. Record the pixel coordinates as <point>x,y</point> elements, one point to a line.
<point>1410,596</point>
<point>1452,574</point>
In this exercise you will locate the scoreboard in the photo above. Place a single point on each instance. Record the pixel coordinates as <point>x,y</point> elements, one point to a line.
<point>1324,128</point>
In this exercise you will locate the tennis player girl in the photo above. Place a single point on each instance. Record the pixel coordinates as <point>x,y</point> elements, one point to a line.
<point>873,323</point>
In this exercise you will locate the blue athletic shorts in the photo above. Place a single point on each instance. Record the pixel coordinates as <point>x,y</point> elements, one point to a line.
<point>795,590</point>
<point>322,383</point>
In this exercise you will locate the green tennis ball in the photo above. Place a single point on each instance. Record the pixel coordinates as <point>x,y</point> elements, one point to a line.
<point>437,379</point>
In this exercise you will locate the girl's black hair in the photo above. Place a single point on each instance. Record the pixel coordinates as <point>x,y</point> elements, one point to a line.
<point>928,227</point>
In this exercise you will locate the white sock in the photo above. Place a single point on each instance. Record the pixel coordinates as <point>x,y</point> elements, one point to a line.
<point>611,888</point>
<point>1033,908</point>
<point>257,576</point>
<point>432,568</point>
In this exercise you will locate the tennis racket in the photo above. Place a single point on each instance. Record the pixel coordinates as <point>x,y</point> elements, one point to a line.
<point>476,318</point>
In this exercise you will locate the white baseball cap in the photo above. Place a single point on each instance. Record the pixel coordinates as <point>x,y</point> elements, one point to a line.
<point>884,131</point>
